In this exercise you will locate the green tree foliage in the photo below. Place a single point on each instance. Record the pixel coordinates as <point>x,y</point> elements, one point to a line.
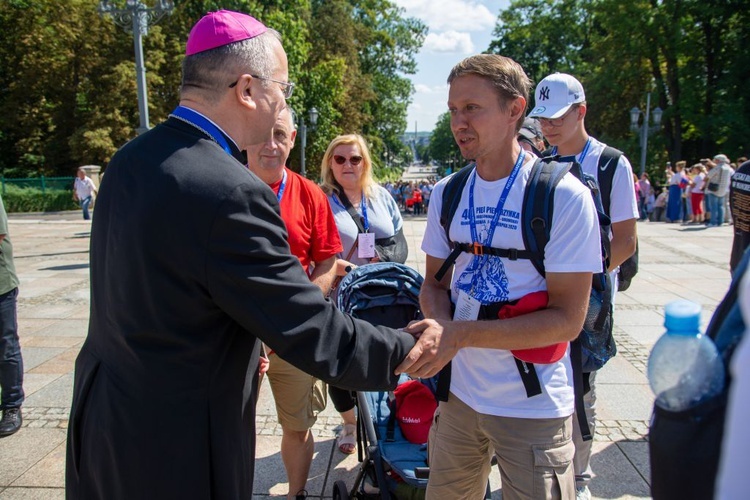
<point>423,153</point>
<point>373,46</point>
<point>387,45</point>
<point>46,53</point>
<point>443,148</point>
<point>690,54</point>
<point>68,89</point>
<point>542,35</point>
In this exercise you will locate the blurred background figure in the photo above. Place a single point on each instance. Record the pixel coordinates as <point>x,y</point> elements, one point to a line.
<point>697,183</point>
<point>84,191</point>
<point>677,182</point>
<point>11,363</point>
<point>717,187</point>
<point>530,137</point>
<point>646,192</point>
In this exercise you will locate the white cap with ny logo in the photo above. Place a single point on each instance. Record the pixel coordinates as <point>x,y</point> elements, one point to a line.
<point>555,95</point>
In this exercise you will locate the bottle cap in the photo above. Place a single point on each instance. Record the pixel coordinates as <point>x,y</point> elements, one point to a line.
<point>682,315</point>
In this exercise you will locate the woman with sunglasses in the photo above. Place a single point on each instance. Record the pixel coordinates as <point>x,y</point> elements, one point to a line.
<point>371,230</point>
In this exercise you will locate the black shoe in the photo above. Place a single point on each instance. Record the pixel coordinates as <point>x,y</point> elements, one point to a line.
<point>301,495</point>
<point>11,421</point>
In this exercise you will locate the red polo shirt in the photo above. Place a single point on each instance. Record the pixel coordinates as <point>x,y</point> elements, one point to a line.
<point>313,235</point>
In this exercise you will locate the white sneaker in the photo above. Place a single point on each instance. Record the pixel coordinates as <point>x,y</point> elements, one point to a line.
<point>583,493</point>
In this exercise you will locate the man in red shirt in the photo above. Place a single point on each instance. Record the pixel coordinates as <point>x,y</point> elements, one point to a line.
<point>314,240</point>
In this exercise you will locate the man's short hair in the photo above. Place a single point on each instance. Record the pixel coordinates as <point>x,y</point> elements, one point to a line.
<point>505,74</point>
<point>212,71</point>
<point>292,116</point>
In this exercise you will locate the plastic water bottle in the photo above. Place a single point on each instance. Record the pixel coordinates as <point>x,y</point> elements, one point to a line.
<point>684,367</point>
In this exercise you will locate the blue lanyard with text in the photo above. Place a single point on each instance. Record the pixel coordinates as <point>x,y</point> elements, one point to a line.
<point>362,204</point>
<point>282,187</point>
<point>500,202</point>
<point>203,124</point>
<point>478,262</point>
<point>583,153</point>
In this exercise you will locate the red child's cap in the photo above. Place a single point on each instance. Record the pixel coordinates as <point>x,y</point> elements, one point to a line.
<point>529,303</point>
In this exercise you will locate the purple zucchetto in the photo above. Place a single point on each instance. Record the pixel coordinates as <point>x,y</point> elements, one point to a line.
<point>220,28</point>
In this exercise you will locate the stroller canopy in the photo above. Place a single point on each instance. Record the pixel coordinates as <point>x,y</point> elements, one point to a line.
<point>383,293</point>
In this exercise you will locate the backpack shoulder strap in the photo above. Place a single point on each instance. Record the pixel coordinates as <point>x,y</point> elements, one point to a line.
<point>452,197</point>
<point>538,203</point>
<point>358,221</point>
<point>605,173</point>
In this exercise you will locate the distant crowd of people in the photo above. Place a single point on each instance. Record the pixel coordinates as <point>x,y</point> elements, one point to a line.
<point>411,197</point>
<point>697,194</point>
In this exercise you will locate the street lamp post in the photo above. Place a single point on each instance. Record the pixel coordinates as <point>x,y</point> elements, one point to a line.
<point>135,18</point>
<point>313,117</point>
<point>645,128</point>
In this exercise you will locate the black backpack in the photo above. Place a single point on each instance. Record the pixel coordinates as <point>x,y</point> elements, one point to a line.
<point>685,446</point>
<point>605,174</point>
<point>607,165</point>
<point>596,345</point>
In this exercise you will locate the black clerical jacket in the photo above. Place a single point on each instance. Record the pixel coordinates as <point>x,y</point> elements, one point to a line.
<point>189,270</point>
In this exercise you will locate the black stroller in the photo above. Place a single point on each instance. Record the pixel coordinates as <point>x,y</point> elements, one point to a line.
<point>384,293</point>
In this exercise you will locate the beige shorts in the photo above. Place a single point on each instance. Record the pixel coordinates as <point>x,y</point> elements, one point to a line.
<point>534,455</point>
<point>299,397</point>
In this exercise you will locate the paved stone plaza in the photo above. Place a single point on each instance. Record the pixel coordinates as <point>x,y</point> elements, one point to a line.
<point>51,254</point>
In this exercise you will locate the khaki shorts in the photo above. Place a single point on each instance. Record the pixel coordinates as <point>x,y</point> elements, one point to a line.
<point>299,397</point>
<point>534,455</point>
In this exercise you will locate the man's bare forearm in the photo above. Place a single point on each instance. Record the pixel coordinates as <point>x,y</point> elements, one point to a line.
<point>324,273</point>
<point>623,242</point>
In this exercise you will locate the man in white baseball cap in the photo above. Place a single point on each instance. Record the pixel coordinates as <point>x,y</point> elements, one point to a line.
<point>719,178</point>
<point>561,107</point>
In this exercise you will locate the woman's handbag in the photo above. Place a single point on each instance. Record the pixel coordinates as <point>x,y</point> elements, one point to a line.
<point>390,249</point>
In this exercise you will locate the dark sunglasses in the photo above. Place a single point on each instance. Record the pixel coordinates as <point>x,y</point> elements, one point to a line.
<point>354,160</point>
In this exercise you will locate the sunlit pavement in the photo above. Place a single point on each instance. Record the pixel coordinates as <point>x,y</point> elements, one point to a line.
<point>51,254</point>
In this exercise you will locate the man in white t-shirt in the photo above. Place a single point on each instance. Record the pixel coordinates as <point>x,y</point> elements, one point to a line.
<point>84,191</point>
<point>488,408</point>
<point>561,109</point>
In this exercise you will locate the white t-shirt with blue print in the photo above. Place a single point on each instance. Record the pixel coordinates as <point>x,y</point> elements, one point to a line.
<point>487,379</point>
